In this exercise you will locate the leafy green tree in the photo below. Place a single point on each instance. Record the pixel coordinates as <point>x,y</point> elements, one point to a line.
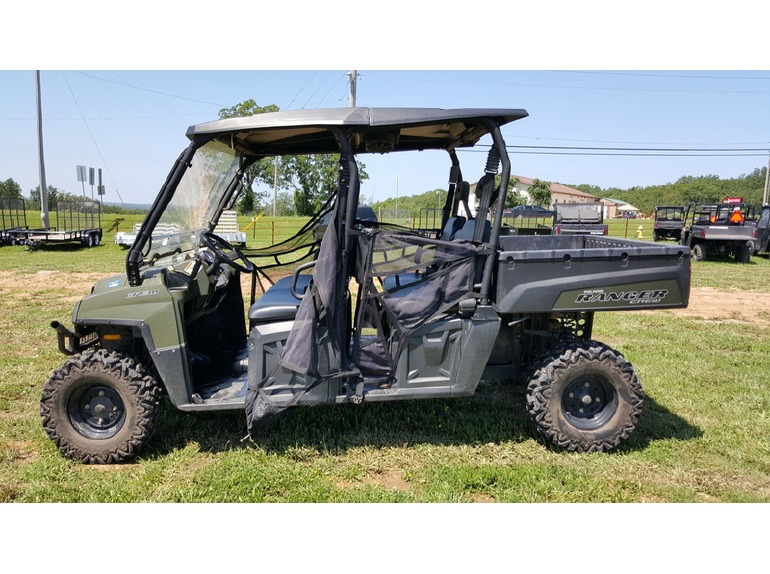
<point>246,202</point>
<point>284,203</point>
<point>9,189</point>
<point>513,197</point>
<point>54,195</point>
<point>540,192</point>
<point>313,177</point>
<point>260,172</point>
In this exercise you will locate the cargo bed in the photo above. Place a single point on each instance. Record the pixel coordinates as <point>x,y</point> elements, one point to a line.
<point>540,274</point>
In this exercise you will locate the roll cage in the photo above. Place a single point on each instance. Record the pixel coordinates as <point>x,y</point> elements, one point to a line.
<point>348,132</point>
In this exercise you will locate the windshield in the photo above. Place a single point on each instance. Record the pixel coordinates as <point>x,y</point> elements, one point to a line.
<point>198,194</point>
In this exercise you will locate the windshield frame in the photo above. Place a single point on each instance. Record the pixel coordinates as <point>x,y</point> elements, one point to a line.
<point>187,175</point>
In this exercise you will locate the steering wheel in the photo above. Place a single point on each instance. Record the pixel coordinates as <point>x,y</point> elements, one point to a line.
<point>224,252</point>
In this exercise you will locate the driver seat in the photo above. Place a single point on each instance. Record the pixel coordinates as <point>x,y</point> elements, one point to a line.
<point>278,303</point>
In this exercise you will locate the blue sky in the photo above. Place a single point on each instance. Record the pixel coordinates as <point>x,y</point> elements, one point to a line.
<point>132,123</point>
<point>113,100</point>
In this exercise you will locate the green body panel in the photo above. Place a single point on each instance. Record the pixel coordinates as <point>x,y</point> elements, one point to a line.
<point>114,300</point>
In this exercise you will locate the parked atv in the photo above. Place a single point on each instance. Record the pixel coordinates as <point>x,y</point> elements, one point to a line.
<point>669,221</point>
<point>372,312</point>
<point>720,229</point>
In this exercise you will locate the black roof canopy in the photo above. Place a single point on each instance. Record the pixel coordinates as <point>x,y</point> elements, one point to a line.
<point>369,130</point>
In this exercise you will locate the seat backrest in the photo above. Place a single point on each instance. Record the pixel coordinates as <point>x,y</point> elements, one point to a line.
<point>467,231</point>
<point>453,225</point>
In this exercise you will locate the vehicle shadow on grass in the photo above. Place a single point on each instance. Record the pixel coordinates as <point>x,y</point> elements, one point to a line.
<point>495,414</point>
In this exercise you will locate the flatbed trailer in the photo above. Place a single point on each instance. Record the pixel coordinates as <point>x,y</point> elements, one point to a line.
<point>75,222</point>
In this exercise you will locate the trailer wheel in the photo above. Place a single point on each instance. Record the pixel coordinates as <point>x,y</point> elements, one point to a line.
<point>584,397</point>
<point>100,407</point>
<point>699,252</point>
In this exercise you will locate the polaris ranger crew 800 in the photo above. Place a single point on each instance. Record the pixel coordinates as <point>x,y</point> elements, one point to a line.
<point>371,312</point>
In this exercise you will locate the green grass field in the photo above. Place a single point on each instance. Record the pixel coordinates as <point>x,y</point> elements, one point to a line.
<point>704,435</point>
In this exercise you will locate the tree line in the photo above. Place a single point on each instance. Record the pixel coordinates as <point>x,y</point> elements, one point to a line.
<point>686,190</point>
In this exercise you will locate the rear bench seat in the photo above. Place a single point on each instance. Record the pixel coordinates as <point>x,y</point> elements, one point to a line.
<point>457,228</point>
<point>278,303</point>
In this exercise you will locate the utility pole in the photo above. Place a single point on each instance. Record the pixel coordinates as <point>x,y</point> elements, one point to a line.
<point>352,80</point>
<point>275,187</point>
<point>43,187</point>
<point>767,182</point>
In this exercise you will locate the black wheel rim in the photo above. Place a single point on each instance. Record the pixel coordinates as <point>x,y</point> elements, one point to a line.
<point>96,411</point>
<point>589,402</point>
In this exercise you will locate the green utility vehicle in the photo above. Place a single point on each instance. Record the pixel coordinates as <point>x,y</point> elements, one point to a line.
<point>372,312</point>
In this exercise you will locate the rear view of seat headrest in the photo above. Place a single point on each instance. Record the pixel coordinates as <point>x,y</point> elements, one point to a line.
<point>467,231</point>
<point>453,225</point>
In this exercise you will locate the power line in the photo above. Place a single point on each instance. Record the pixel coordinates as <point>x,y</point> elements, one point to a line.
<point>316,90</point>
<point>90,133</point>
<point>323,99</point>
<point>130,104</point>
<point>103,119</point>
<point>300,90</point>
<point>625,154</point>
<point>152,91</point>
<point>538,138</point>
<point>628,151</point>
<point>633,148</point>
<point>477,82</point>
<point>658,75</point>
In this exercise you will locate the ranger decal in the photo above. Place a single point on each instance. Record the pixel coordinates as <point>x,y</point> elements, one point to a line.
<point>632,297</point>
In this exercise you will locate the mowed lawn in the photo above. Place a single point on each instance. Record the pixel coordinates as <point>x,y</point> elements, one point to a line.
<point>704,435</point>
<point>704,438</point>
